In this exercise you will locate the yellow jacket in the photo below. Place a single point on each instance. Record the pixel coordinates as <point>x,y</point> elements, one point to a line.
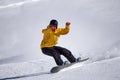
<point>50,37</point>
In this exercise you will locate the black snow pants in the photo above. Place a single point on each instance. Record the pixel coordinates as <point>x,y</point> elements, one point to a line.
<point>56,51</point>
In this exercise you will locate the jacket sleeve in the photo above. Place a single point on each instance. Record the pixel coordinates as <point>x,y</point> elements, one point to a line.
<point>63,31</point>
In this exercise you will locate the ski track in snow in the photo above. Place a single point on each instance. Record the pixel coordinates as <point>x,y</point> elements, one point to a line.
<point>34,73</point>
<point>26,76</point>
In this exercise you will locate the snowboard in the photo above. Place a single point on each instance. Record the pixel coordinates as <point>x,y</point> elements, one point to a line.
<point>58,68</point>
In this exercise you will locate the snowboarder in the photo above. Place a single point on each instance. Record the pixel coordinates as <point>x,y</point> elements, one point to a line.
<point>50,38</point>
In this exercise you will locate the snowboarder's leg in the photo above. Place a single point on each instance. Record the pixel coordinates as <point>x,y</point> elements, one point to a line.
<point>65,52</point>
<point>54,53</point>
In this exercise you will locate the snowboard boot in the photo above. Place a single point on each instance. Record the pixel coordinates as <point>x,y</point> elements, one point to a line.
<point>78,59</point>
<point>65,63</point>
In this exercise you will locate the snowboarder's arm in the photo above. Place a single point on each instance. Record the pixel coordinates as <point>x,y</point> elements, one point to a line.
<point>63,31</point>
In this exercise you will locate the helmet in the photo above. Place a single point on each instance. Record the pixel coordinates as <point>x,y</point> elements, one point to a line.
<point>54,22</point>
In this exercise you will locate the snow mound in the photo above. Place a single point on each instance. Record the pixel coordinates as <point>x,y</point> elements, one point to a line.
<point>102,54</point>
<point>113,51</point>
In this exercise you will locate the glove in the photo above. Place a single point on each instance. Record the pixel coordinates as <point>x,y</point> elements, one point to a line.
<point>67,23</point>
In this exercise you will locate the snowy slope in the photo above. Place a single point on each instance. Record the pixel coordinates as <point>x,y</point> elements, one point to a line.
<point>104,66</point>
<point>97,68</point>
<point>96,23</point>
<point>94,33</point>
<point>101,70</point>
